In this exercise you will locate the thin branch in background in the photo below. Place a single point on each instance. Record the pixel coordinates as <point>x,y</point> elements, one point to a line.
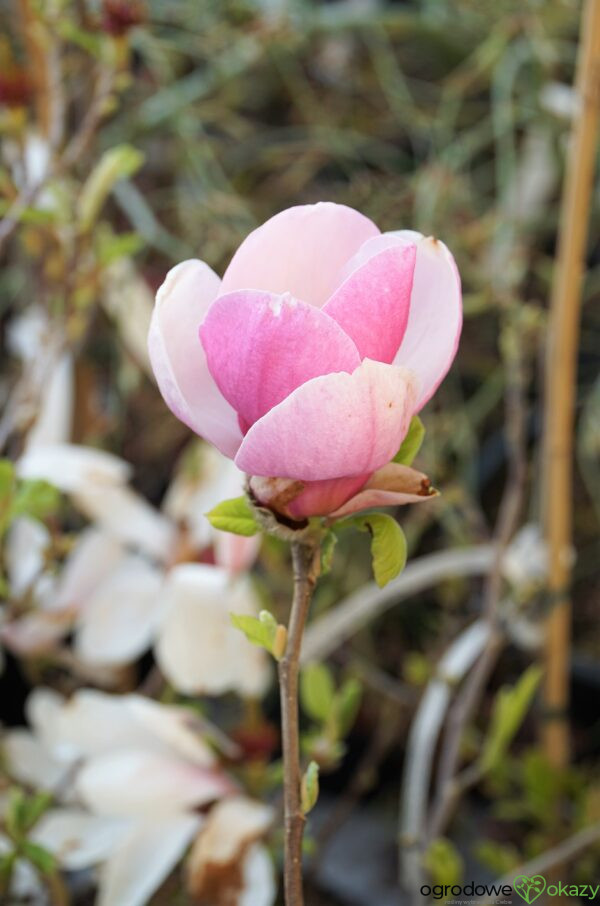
<point>331,630</point>
<point>561,381</point>
<point>422,741</point>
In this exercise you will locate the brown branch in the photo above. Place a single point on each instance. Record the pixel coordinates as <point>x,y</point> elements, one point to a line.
<point>305,559</point>
<point>561,374</point>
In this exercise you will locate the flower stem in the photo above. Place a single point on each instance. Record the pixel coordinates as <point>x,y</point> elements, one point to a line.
<point>305,559</point>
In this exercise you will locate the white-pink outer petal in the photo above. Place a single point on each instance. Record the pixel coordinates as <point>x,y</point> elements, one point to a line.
<point>178,360</point>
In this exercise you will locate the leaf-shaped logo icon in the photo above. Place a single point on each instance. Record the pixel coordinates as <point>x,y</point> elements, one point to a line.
<point>530,888</point>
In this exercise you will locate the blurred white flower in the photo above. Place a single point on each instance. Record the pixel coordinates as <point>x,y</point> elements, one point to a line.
<point>525,562</point>
<point>119,591</point>
<point>197,648</point>
<point>129,776</point>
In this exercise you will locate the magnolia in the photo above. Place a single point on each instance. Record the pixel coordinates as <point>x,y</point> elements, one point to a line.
<point>132,780</point>
<point>306,362</point>
<point>122,588</point>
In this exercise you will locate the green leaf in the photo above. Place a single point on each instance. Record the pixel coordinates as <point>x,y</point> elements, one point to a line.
<point>346,705</point>
<point>388,544</point>
<point>327,548</point>
<point>35,807</point>
<point>317,691</point>
<point>310,787</point>
<point>411,443</point>
<point>110,247</point>
<point>235,516</point>
<point>7,491</point>
<point>444,862</point>
<point>115,164</point>
<point>15,817</point>
<point>510,707</point>
<point>7,864</point>
<point>263,631</point>
<point>35,498</point>
<point>39,857</point>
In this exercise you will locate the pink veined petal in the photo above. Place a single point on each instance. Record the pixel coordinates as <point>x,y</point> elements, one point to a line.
<point>260,347</point>
<point>372,304</point>
<point>178,359</point>
<point>435,317</point>
<point>334,426</point>
<point>301,251</point>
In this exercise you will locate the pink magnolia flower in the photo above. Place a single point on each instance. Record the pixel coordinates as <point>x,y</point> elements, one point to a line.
<point>307,361</point>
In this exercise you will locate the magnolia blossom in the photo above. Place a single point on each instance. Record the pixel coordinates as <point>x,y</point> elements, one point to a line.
<point>121,590</point>
<point>307,361</point>
<point>132,779</point>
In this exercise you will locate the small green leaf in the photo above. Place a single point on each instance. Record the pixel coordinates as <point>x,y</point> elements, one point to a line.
<point>35,498</point>
<point>444,862</point>
<point>388,544</point>
<point>317,691</point>
<point>7,864</point>
<point>115,164</point>
<point>234,516</point>
<point>14,818</point>
<point>7,492</point>
<point>39,857</point>
<point>510,707</point>
<point>346,705</point>
<point>263,631</point>
<point>35,807</point>
<point>327,548</point>
<point>310,787</point>
<point>411,443</point>
<point>111,247</point>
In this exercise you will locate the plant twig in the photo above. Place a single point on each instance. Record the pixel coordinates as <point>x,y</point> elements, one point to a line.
<point>561,381</point>
<point>558,855</point>
<point>305,560</point>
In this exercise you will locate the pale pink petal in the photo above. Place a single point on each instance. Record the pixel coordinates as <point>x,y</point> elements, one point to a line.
<point>144,859</point>
<point>372,304</point>
<point>299,499</point>
<point>72,468</point>
<point>138,782</point>
<point>30,761</point>
<point>128,517</point>
<point>177,727</point>
<point>260,347</point>
<point>77,839</point>
<point>235,553</point>
<point>93,557</point>
<point>334,426</point>
<point>435,320</point>
<point>232,826</point>
<point>392,485</point>
<point>117,623</point>
<point>258,878</point>
<point>198,649</point>
<point>178,358</point>
<point>36,632</point>
<point>301,251</point>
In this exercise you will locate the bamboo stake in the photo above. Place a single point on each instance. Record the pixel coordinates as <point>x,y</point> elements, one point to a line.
<point>561,375</point>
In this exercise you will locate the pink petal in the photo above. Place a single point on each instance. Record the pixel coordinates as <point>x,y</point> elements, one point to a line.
<point>178,359</point>
<point>393,485</point>
<point>435,318</point>
<point>235,553</point>
<point>260,347</point>
<point>298,499</point>
<point>301,251</point>
<point>334,426</point>
<point>372,304</point>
